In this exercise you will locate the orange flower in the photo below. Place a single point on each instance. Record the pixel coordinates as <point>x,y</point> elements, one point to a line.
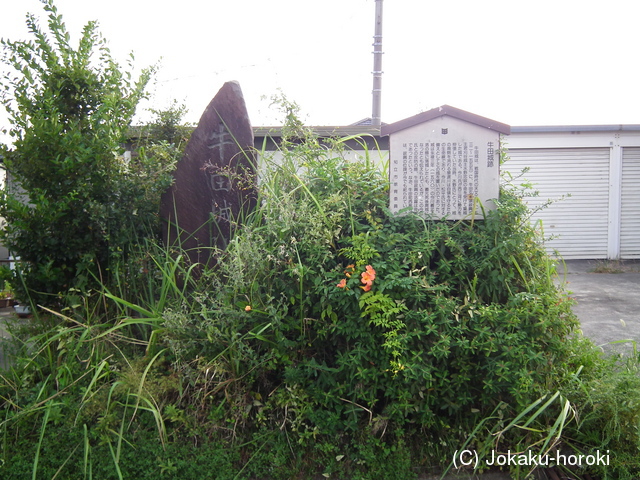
<point>349,270</point>
<point>367,277</point>
<point>342,284</point>
<point>247,308</point>
<point>369,274</point>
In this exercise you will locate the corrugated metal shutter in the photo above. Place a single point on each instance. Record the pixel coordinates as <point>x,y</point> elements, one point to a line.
<point>579,222</point>
<point>630,211</point>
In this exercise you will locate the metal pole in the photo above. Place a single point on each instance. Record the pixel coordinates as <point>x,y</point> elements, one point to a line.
<point>377,66</point>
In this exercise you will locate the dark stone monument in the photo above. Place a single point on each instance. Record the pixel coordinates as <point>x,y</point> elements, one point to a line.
<point>213,187</point>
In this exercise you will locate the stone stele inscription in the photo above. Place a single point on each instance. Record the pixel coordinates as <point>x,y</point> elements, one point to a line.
<point>212,191</point>
<point>439,167</point>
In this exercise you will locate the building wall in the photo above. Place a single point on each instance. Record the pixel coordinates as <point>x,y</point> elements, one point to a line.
<point>593,174</point>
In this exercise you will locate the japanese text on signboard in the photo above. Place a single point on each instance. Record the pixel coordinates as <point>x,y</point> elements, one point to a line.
<point>439,178</point>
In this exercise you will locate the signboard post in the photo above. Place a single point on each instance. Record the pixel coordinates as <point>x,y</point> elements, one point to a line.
<point>441,161</point>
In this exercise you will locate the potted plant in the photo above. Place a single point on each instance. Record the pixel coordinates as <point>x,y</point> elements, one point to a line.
<point>6,296</point>
<point>23,311</point>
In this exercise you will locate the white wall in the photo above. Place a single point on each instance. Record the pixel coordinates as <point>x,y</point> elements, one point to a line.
<point>586,163</point>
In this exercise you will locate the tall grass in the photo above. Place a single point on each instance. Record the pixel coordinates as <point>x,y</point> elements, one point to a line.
<point>74,360</point>
<point>263,353</point>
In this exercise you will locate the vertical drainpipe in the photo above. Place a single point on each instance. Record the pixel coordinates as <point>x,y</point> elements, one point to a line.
<point>615,199</point>
<point>377,67</point>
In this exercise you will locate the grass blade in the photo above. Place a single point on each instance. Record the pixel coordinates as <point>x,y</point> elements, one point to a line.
<point>45,420</point>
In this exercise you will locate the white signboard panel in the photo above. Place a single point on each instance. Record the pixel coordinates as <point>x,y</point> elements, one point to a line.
<point>437,168</point>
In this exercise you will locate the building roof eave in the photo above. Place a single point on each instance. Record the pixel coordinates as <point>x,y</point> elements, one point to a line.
<point>442,111</point>
<point>575,128</point>
<point>322,131</point>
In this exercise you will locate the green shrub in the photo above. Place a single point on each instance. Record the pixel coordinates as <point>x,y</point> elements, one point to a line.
<point>327,314</point>
<point>73,204</point>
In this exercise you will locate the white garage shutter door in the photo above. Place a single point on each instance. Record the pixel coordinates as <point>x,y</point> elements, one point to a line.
<point>579,222</point>
<point>630,211</point>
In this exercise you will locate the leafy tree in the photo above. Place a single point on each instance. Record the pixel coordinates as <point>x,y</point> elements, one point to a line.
<point>167,126</point>
<point>73,202</point>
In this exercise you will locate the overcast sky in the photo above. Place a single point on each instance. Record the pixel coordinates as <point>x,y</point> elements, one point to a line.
<point>543,62</point>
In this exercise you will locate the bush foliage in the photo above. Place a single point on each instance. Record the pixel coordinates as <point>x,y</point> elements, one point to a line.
<point>369,319</point>
<point>329,338</point>
<point>73,203</point>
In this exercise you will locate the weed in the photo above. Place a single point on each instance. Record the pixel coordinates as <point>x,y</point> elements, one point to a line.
<point>614,266</point>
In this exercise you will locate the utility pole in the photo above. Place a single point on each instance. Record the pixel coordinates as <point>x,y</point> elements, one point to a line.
<point>377,67</point>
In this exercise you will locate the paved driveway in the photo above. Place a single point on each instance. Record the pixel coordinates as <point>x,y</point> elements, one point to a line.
<point>608,304</point>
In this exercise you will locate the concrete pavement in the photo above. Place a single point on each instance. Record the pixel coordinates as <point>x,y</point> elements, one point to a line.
<point>607,304</point>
